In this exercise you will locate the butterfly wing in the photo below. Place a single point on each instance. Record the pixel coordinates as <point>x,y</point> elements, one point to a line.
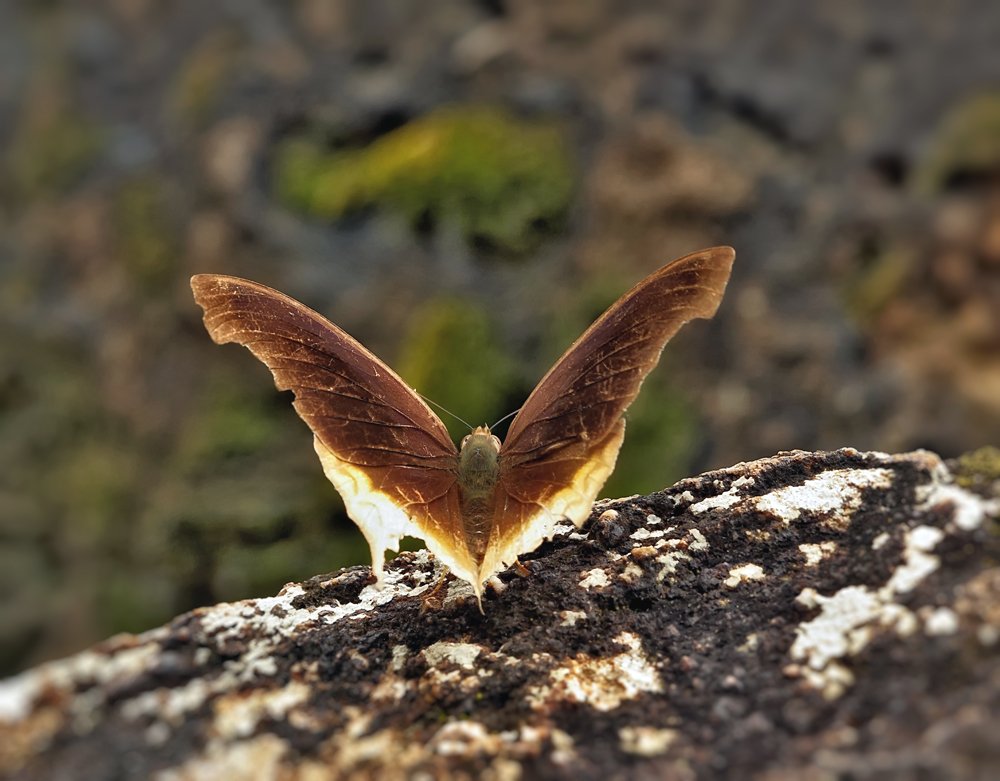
<point>381,446</point>
<point>562,446</point>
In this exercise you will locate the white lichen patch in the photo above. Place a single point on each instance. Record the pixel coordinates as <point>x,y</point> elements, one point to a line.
<point>750,643</point>
<point>646,534</point>
<point>18,695</point>
<point>631,573</point>
<point>699,542</point>
<point>570,617</point>
<point>400,653</point>
<point>600,683</point>
<point>832,682</point>
<point>258,626</point>
<point>839,490</point>
<point>646,741</point>
<point>815,552</point>
<point>119,664</point>
<point>879,542</point>
<point>670,561</point>
<point>465,739</point>
<point>461,654</point>
<point>743,572</point>
<point>568,530</point>
<point>238,714</point>
<point>653,520</point>
<point>595,578</point>
<point>941,622</point>
<point>847,619</point>
<point>259,757</point>
<point>391,688</point>
<point>723,501</point>
<point>969,511</point>
<point>918,562</point>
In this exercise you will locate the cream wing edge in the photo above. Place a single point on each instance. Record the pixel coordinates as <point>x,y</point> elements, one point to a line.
<point>381,520</point>
<point>574,502</point>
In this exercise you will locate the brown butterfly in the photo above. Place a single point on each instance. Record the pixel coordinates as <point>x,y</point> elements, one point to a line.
<point>479,507</point>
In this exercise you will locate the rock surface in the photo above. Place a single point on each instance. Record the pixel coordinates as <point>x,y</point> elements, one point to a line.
<point>810,615</point>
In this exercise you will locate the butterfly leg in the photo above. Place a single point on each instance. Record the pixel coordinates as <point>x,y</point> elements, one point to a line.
<point>434,599</point>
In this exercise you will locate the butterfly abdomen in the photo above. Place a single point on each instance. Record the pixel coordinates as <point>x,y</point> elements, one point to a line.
<point>478,471</point>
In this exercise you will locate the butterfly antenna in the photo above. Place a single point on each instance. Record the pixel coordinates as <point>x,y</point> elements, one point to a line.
<point>508,415</point>
<point>444,409</point>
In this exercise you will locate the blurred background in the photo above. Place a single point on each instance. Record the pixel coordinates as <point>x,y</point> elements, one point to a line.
<point>463,185</point>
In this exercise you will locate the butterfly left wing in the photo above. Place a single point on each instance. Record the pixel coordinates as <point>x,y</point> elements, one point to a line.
<point>381,446</point>
<point>562,446</point>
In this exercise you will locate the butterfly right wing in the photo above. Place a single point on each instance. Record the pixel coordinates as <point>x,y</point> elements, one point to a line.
<point>381,446</point>
<point>562,445</point>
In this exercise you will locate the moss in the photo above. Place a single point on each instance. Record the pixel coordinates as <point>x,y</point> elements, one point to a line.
<point>145,238</point>
<point>451,356</point>
<point>979,467</point>
<point>967,143</point>
<point>497,178</point>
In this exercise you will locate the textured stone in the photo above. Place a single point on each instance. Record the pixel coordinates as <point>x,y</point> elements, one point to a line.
<point>805,615</point>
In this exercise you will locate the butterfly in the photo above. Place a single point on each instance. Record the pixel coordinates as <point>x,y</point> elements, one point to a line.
<point>480,506</point>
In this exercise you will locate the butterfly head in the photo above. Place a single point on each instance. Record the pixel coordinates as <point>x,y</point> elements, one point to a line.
<point>481,437</point>
<point>478,461</point>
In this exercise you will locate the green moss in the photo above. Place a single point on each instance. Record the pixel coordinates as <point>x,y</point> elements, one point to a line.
<point>496,178</point>
<point>145,239</point>
<point>980,467</point>
<point>968,142</point>
<point>451,356</point>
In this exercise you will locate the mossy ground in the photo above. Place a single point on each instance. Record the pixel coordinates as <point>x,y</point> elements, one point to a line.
<point>500,180</point>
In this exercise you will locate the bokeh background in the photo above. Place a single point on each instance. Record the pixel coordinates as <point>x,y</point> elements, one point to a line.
<point>463,185</point>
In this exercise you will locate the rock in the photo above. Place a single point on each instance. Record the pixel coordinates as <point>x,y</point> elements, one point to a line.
<point>805,615</point>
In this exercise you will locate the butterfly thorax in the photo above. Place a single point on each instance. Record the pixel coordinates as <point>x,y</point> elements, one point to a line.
<point>478,469</point>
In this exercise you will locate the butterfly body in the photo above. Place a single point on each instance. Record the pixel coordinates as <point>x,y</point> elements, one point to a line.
<point>478,473</point>
<point>390,457</point>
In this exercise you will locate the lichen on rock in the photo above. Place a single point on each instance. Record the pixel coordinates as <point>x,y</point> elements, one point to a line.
<point>804,613</point>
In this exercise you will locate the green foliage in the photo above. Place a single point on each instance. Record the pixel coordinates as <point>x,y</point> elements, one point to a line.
<point>968,141</point>
<point>494,177</point>
<point>451,356</point>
